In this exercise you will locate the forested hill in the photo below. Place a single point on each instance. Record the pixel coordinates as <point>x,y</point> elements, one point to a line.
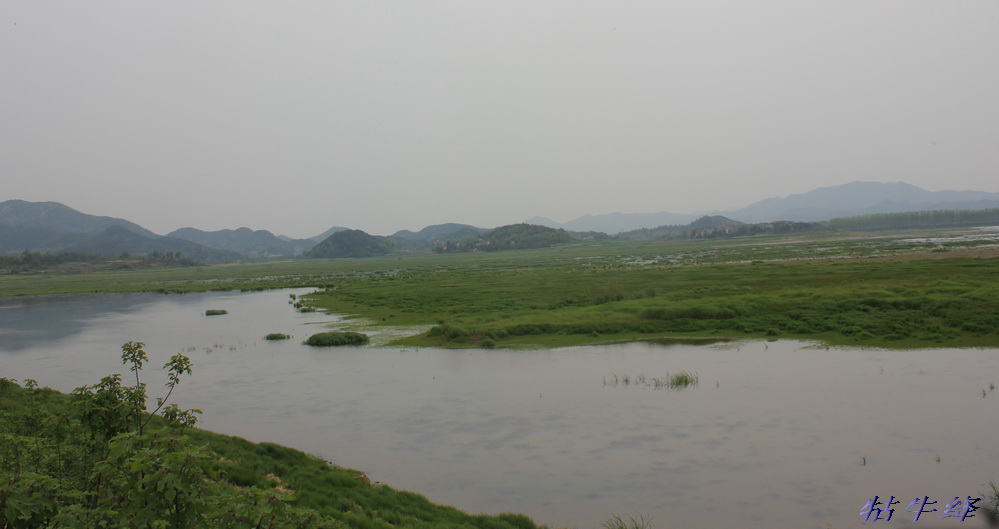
<point>511,237</point>
<point>351,243</point>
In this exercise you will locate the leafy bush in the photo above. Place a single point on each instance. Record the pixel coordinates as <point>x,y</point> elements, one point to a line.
<point>449,331</point>
<point>334,338</point>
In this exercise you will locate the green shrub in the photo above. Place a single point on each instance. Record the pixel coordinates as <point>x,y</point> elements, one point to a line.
<point>333,338</point>
<point>449,331</point>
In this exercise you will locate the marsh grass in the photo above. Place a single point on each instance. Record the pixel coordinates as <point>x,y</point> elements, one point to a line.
<point>618,522</point>
<point>277,336</point>
<point>671,381</point>
<point>682,380</point>
<point>992,499</point>
<point>216,312</point>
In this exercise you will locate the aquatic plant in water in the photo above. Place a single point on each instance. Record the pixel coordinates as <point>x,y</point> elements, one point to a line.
<point>678,380</point>
<point>617,522</point>
<point>334,338</point>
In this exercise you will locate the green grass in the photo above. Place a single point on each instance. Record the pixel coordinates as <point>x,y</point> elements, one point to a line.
<point>277,336</point>
<point>899,304</point>
<point>216,312</point>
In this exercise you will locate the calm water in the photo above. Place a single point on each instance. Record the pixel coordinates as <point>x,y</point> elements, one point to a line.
<point>777,434</point>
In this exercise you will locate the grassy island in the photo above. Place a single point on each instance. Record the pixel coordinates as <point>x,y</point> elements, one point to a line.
<point>851,291</point>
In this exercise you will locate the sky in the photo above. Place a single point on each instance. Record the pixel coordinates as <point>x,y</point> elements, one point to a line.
<point>297,116</point>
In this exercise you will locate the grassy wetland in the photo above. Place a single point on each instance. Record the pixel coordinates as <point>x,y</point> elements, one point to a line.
<point>895,289</point>
<point>888,290</point>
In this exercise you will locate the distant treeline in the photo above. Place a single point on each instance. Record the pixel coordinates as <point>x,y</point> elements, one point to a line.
<point>915,219</point>
<point>714,227</point>
<point>29,261</point>
<point>720,227</point>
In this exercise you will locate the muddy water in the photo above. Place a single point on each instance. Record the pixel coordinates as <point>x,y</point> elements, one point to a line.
<point>780,434</point>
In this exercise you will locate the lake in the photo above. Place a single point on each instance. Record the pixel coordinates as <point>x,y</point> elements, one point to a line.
<point>775,434</point>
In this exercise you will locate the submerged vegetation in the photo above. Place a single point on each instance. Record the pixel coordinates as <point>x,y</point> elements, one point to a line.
<point>674,381</point>
<point>96,459</point>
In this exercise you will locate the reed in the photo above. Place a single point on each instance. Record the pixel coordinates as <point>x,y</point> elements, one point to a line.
<point>682,379</point>
<point>675,381</point>
<point>618,522</point>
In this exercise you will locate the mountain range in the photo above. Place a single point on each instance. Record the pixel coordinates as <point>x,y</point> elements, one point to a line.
<point>847,200</point>
<point>54,227</point>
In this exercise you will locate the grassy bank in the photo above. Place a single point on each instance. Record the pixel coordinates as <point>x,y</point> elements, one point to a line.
<point>59,467</point>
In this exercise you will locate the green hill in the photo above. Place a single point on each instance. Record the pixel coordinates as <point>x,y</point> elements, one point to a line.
<point>511,237</point>
<point>351,243</point>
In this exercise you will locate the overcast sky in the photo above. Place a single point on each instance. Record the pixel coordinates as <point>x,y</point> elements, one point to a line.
<point>299,115</point>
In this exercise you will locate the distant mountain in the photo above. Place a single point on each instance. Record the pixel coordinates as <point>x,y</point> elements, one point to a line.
<point>848,200</point>
<point>616,222</point>
<point>862,198</point>
<point>118,240</point>
<point>351,243</point>
<point>52,227</point>
<point>259,243</point>
<point>325,235</point>
<point>60,218</point>
<point>17,238</point>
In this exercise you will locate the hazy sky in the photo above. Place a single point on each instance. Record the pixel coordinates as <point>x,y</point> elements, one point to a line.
<point>295,116</point>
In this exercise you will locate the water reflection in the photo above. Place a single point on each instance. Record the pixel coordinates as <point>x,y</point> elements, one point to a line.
<point>774,435</point>
<point>29,320</point>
